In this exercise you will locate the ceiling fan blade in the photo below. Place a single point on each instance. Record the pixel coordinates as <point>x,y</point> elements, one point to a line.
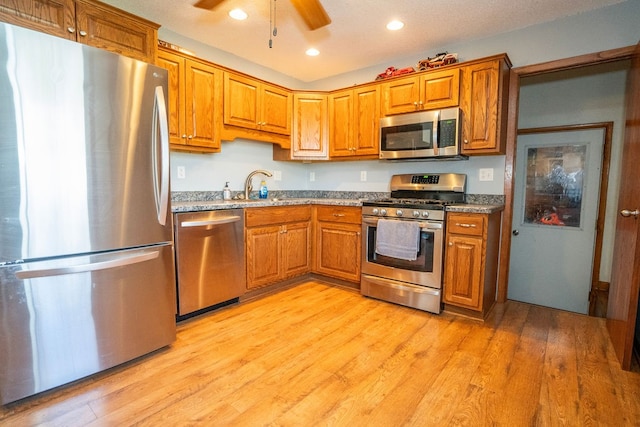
<point>312,13</point>
<point>207,4</point>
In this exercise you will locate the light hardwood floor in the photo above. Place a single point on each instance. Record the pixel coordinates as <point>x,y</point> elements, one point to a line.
<point>321,355</point>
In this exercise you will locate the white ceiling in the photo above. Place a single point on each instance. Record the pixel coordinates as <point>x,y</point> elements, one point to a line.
<point>357,37</point>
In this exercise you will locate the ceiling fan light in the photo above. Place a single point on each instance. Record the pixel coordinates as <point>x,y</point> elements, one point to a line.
<point>312,51</point>
<point>238,14</point>
<point>395,25</point>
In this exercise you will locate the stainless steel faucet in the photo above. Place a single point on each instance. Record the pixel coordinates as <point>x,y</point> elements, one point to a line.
<point>248,186</point>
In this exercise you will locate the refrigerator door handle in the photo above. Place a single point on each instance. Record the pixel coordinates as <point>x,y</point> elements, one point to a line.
<point>87,267</point>
<point>161,166</point>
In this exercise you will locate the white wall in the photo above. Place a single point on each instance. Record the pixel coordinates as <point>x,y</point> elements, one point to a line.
<point>590,95</point>
<point>607,28</point>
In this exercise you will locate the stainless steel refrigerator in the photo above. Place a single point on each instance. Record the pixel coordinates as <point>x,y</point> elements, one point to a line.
<point>87,275</point>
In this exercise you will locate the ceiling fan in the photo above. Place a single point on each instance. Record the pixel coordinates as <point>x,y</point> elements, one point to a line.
<point>311,11</point>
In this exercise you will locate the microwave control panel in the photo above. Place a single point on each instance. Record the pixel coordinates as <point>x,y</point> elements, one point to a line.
<point>448,133</point>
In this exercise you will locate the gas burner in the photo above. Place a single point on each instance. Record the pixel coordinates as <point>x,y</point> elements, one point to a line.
<point>410,203</point>
<point>420,192</point>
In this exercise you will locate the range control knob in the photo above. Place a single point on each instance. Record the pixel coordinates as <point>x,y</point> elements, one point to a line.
<point>416,214</point>
<point>383,212</point>
<point>399,212</point>
<point>425,214</point>
<point>374,211</point>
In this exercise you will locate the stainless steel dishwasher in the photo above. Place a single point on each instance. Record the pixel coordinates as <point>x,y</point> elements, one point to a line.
<point>209,259</point>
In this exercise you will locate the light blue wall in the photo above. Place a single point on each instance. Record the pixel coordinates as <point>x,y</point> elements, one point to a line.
<point>607,28</point>
<point>589,95</point>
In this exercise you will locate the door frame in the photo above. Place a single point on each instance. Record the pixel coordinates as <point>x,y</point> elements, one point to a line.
<point>607,127</point>
<point>613,55</point>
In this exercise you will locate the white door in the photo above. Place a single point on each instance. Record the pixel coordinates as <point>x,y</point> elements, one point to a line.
<point>555,210</point>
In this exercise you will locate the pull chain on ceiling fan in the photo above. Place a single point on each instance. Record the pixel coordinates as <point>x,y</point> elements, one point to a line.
<point>311,11</point>
<point>273,28</point>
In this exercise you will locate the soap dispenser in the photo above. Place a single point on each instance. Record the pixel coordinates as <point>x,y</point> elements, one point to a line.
<point>226,192</point>
<point>263,190</point>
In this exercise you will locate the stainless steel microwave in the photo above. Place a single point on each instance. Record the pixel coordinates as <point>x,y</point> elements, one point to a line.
<point>426,135</point>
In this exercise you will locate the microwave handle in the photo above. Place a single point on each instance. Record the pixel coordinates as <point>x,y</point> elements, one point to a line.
<point>436,125</point>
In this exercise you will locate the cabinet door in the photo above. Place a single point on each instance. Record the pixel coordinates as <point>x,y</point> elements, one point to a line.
<point>340,123</point>
<point>275,114</point>
<point>296,249</point>
<point>480,107</point>
<point>440,89</point>
<point>115,31</point>
<point>263,255</point>
<point>240,101</point>
<point>338,250</point>
<point>174,64</point>
<point>463,271</point>
<point>400,96</point>
<point>366,120</point>
<point>55,17</point>
<point>202,84</point>
<point>310,126</point>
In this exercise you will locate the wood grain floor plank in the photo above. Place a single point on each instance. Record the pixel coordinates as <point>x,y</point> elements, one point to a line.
<point>316,354</point>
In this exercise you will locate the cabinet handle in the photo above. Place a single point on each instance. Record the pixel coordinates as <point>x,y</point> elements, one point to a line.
<point>190,137</point>
<point>71,29</point>
<point>338,215</point>
<point>450,243</point>
<point>82,33</point>
<point>465,225</point>
<point>466,141</point>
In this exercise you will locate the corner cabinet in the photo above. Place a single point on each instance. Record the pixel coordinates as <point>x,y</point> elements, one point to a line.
<point>425,91</point>
<point>310,139</point>
<point>195,102</point>
<point>86,21</point>
<point>471,262</point>
<point>277,244</point>
<point>484,100</point>
<point>354,117</point>
<point>338,242</point>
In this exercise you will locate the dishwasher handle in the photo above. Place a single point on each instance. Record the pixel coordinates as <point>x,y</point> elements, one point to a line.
<point>208,222</point>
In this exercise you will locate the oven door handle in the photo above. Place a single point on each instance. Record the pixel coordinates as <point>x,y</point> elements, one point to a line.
<point>429,225</point>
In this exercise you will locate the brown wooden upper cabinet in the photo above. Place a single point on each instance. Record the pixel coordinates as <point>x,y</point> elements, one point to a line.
<point>354,116</point>
<point>86,21</point>
<point>253,104</point>
<point>484,100</point>
<point>195,102</point>
<point>426,91</point>
<point>310,126</point>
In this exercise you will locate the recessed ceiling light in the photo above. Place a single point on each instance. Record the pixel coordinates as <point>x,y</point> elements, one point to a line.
<point>395,25</point>
<point>312,52</point>
<point>238,14</point>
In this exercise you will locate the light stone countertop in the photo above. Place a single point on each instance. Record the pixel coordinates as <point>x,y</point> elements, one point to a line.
<point>208,205</point>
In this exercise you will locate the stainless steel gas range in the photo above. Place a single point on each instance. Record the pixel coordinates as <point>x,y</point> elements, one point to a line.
<point>403,239</point>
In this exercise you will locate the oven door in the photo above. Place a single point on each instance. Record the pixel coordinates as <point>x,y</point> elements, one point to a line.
<point>426,270</point>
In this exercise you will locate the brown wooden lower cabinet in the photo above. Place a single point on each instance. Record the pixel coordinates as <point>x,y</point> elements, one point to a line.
<point>471,260</point>
<point>277,244</point>
<point>338,242</point>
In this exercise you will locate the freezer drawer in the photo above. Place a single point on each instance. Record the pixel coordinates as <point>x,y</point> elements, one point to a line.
<point>64,319</point>
<point>210,258</point>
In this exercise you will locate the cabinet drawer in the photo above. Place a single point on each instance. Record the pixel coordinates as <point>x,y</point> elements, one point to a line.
<point>343,214</point>
<point>466,224</point>
<point>276,215</point>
